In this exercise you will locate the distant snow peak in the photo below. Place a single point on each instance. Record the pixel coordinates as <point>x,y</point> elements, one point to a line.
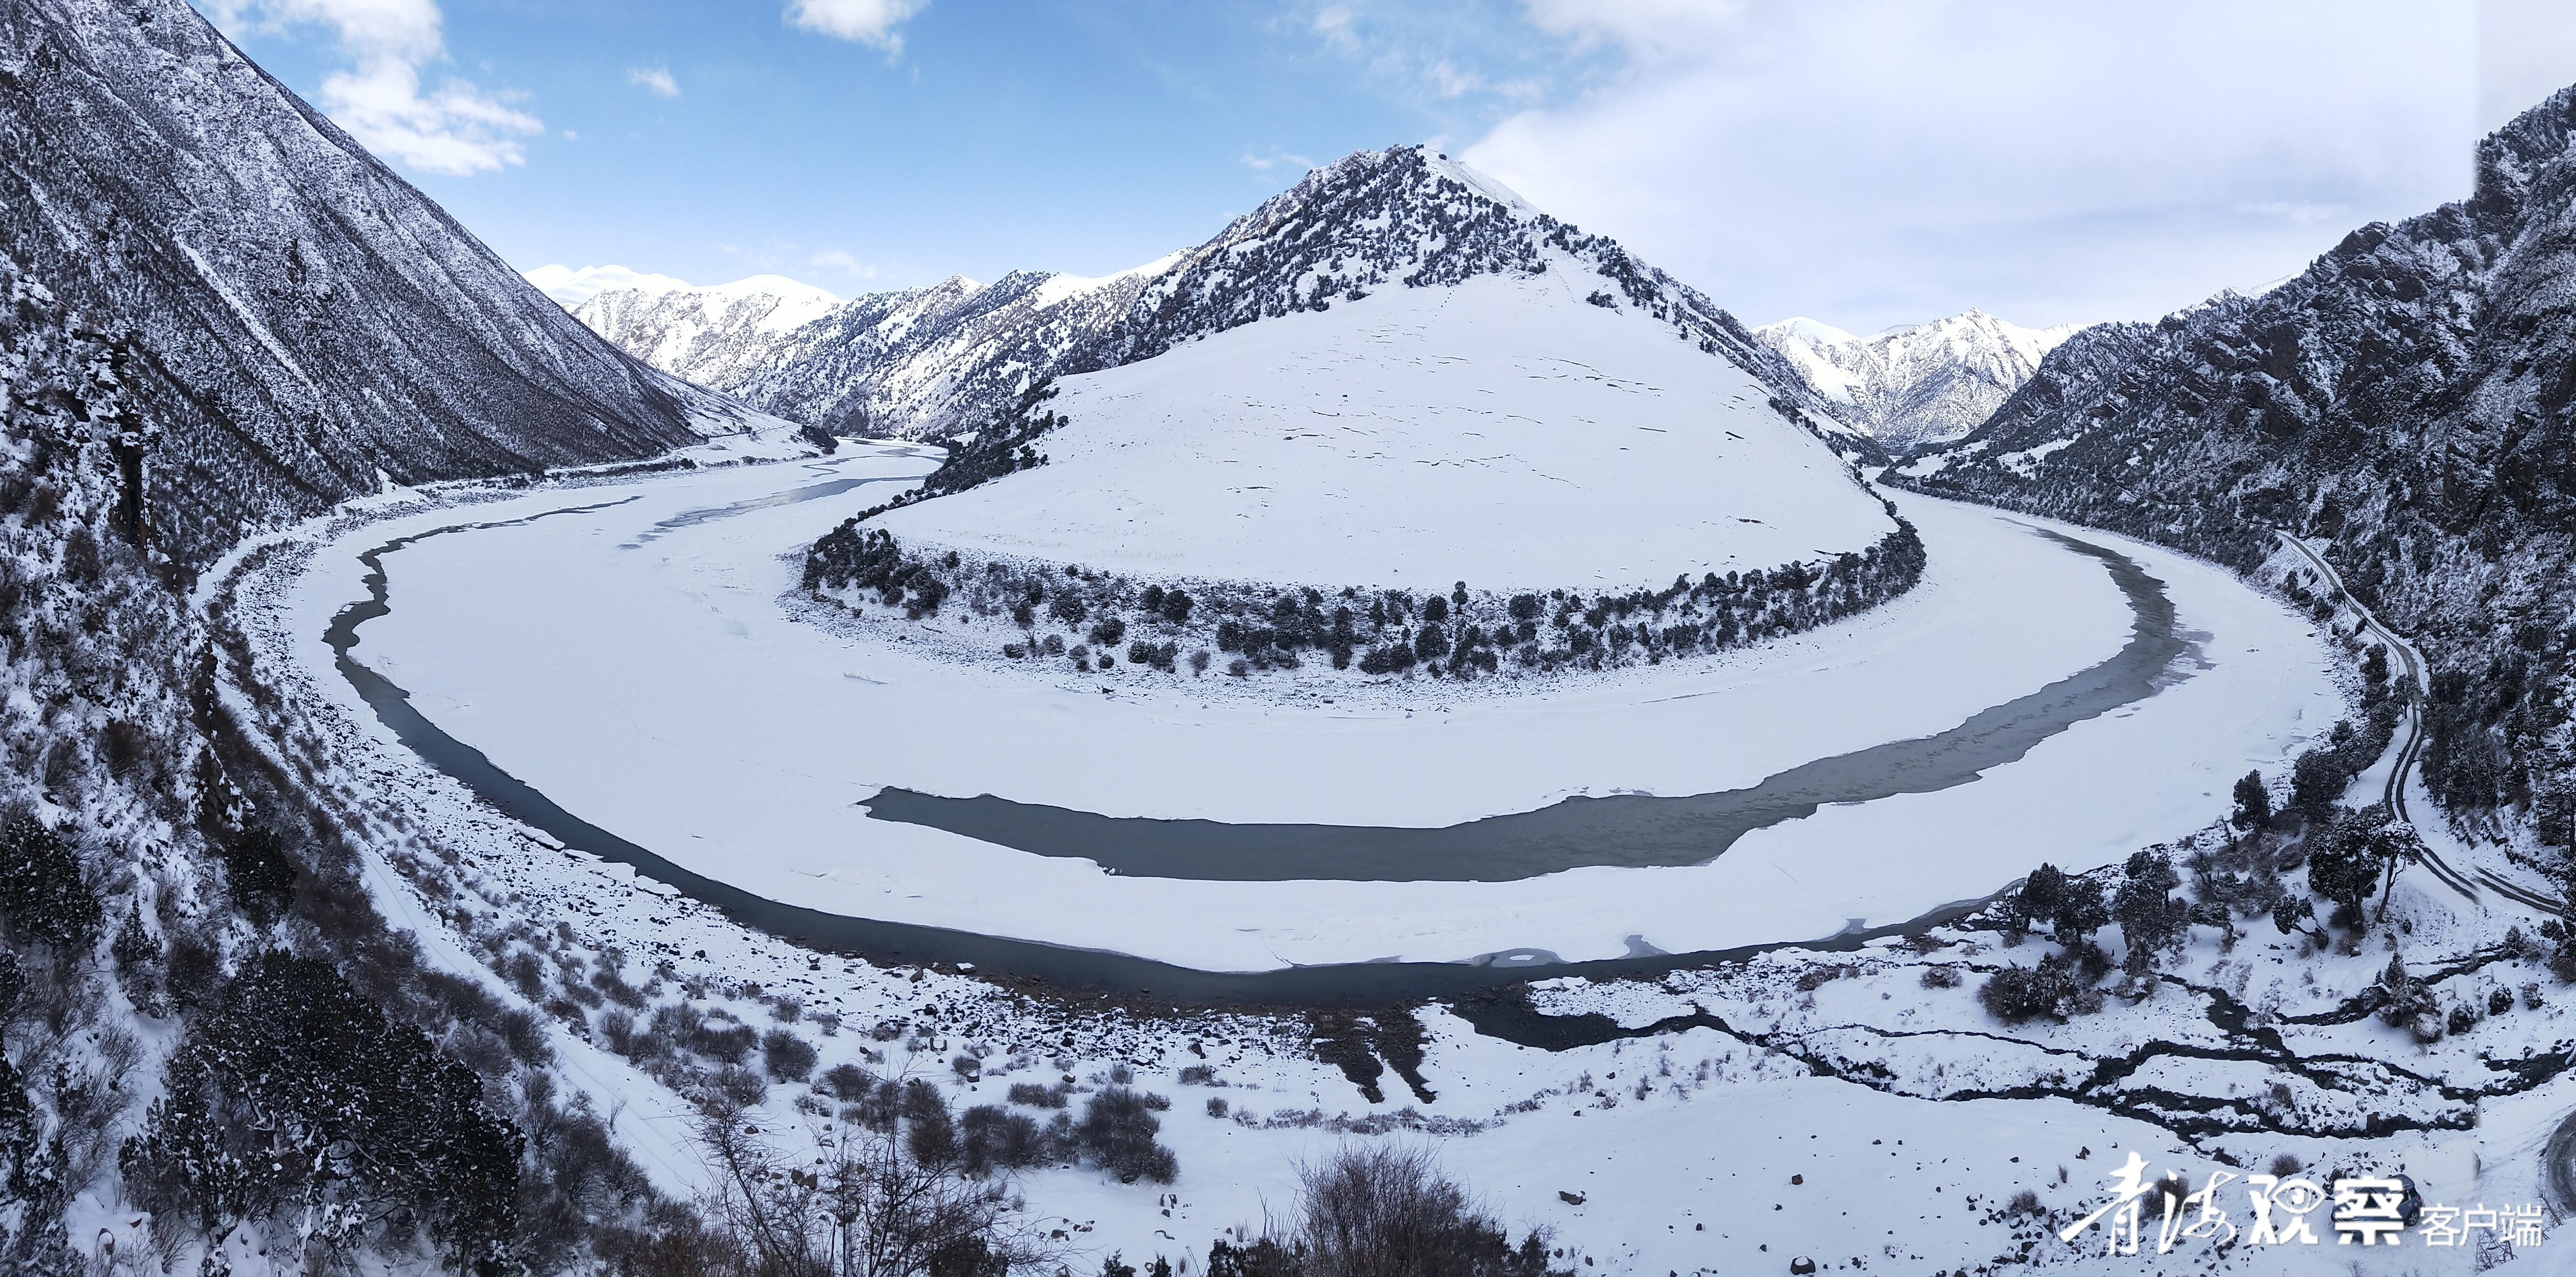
<point>714,336</point>
<point>1915,384</point>
<point>570,287</point>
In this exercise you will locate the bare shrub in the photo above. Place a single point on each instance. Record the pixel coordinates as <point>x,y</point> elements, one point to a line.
<point>991,1138</point>
<point>525,973</point>
<point>788,1057</point>
<point>1037,1096</point>
<point>865,1208</point>
<point>740,1085</point>
<point>930,1131</point>
<point>1379,1211</point>
<point>847,1082</point>
<point>1118,1131</point>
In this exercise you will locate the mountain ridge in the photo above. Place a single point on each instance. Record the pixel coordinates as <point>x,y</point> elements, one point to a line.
<point>2409,401</point>
<point>301,320</point>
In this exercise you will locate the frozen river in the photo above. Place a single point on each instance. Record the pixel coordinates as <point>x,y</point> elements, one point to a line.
<point>617,660</point>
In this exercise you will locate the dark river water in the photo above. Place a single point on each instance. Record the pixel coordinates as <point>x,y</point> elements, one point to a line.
<point>1625,830</point>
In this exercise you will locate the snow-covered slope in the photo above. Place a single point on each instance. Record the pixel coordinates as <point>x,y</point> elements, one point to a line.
<point>299,319</point>
<point>1916,385</point>
<point>1498,430</point>
<point>714,336</point>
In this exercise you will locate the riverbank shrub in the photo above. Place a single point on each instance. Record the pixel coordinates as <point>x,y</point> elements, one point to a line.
<point>1117,1131</point>
<point>1262,628</point>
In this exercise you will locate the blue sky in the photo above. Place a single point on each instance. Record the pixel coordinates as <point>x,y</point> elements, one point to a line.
<point>1866,162</point>
<point>1084,136</point>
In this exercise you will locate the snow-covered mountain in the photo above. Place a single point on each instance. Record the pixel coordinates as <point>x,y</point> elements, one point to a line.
<point>298,320</point>
<point>926,362</point>
<point>716,337</point>
<point>1919,384</point>
<point>915,361</point>
<point>1399,376</point>
<point>2406,400</point>
<point>929,361</point>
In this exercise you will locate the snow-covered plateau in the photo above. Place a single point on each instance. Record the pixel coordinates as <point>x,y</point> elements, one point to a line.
<point>635,662</point>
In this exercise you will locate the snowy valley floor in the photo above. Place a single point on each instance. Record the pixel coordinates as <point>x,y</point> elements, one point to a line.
<point>658,688</point>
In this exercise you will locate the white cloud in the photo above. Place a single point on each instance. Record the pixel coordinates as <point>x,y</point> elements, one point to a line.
<point>841,260</point>
<point>654,80</point>
<point>1333,25</point>
<point>2300,212</point>
<point>1450,82</point>
<point>1444,55</point>
<point>2526,51</point>
<point>455,129</point>
<point>1276,159</point>
<point>869,22</point>
<point>572,287</point>
<point>1871,162</point>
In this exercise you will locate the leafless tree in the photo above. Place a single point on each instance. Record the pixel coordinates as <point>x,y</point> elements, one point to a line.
<point>863,1209</point>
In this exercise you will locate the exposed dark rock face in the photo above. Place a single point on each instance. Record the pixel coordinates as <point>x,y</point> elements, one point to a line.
<point>2411,398</point>
<point>299,317</point>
